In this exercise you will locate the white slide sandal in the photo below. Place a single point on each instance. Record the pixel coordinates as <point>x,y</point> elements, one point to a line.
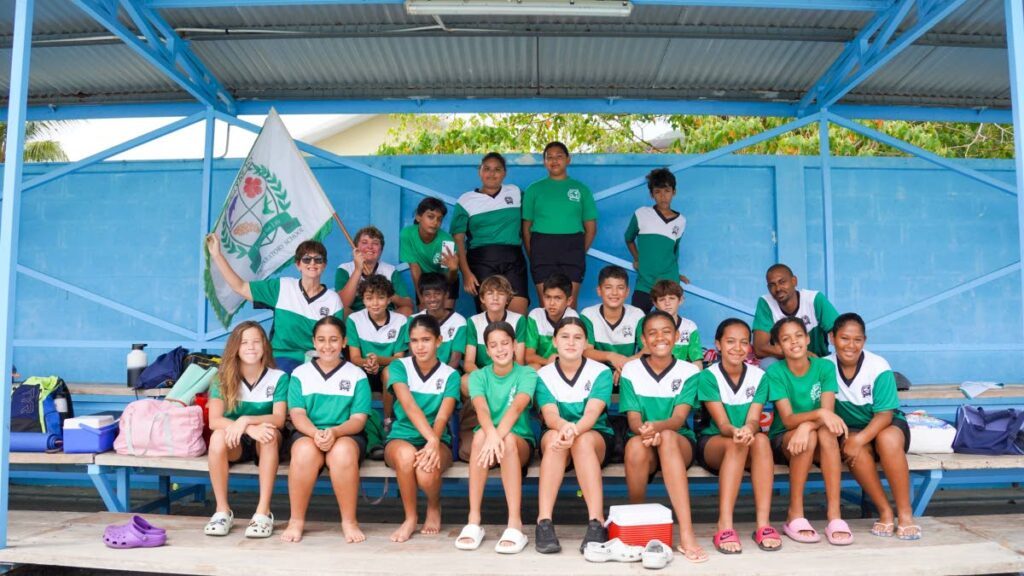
<point>473,532</point>
<point>516,537</point>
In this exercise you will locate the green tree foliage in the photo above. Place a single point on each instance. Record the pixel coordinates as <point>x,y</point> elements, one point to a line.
<point>633,134</point>
<point>39,147</point>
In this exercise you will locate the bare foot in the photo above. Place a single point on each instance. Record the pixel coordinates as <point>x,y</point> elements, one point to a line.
<point>352,532</point>
<point>293,533</point>
<point>432,525</point>
<point>404,532</point>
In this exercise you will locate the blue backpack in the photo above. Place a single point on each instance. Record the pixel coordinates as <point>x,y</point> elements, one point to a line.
<point>164,371</point>
<point>40,405</point>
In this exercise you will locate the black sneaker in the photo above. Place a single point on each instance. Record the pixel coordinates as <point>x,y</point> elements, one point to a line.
<point>596,532</point>
<point>545,540</point>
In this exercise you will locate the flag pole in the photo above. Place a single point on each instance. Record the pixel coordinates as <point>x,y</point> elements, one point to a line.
<point>344,230</point>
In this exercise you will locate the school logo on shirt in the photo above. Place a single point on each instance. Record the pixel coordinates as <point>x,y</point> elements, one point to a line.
<point>508,200</point>
<point>451,332</point>
<point>675,230</point>
<point>439,383</point>
<point>391,333</point>
<point>806,319</point>
<point>511,395</point>
<point>684,337</point>
<point>345,386</point>
<point>627,332</point>
<point>816,391</point>
<point>588,386</point>
<point>749,392</point>
<point>324,311</point>
<point>574,194</point>
<point>677,384</point>
<point>437,258</point>
<point>270,391</point>
<point>865,391</point>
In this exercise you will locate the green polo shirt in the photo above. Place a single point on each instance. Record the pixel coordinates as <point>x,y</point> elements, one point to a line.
<point>593,381</point>
<point>488,220</point>
<point>655,396</point>
<point>295,313</point>
<point>500,391</point>
<point>803,392</point>
<point>657,243</point>
<point>715,385</point>
<point>813,307</point>
<point>329,398</point>
<point>429,390</point>
<point>871,390</point>
<point>558,206</point>
<point>412,250</point>
<point>540,332</point>
<point>256,399</point>
<point>453,335</point>
<point>478,324</point>
<point>386,270</point>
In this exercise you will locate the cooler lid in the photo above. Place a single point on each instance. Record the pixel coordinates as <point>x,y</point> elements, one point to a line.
<point>639,514</point>
<point>93,421</point>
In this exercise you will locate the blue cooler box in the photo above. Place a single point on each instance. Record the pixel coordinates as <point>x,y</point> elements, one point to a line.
<point>88,434</point>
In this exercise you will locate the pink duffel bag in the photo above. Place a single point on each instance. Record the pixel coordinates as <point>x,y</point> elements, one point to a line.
<point>161,428</point>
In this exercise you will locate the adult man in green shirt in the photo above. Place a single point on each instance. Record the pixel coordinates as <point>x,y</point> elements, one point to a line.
<point>785,299</point>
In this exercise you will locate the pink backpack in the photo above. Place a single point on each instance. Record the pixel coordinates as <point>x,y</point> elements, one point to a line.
<point>161,428</point>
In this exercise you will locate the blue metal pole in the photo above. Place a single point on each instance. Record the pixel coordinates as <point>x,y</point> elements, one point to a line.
<point>825,155</point>
<point>9,217</point>
<point>204,219</point>
<point>1015,50</point>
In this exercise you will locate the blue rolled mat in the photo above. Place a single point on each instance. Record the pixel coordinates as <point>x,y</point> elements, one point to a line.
<point>33,442</point>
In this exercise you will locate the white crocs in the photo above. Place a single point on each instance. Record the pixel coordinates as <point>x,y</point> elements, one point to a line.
<point>220,524</point>
<point>261,526</point>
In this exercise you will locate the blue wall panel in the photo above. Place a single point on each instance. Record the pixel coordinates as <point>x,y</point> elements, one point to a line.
<point>903,230</point>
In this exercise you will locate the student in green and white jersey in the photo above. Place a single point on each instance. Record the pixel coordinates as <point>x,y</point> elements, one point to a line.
<point>487,227</point>
<point>426,247</point>
<point>613,325</point>
<point>540,324</point>
<point>501,393</point>
<point>377,337</point>
<point>419,444</point>
<point>573,394</point>
<point>298,303</point>
<point>657,392</point>
<point>329,402</point>
<point>366,259</point>
<point>805,429</point>
<point>785,299</point>
<point>652,237</point>
<point>733,393</point>
<point>433,291</point>
<point>559,222</point>
<point>878,431</point>
<point>668,297</point>
<point>248,405</point>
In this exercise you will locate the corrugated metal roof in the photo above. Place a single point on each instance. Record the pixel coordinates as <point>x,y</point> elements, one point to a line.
<point>379,51</point>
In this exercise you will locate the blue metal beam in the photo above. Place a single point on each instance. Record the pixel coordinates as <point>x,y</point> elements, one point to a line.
<point>161,48</point>
<point>349,163</point>
<point>1015,48</point>
<point>9,222</point>
<point>844,5</point>
<point>83,293</point>
<point>204,218</point>
<point>877,56</point>
<point>944,295</point>
<point>217,333</point>
<point>113,344</point>
<point>536,105</point>
<point>112,151</point>
<point>709,156</point>
<point>921,153</point>
<point>825,156</point>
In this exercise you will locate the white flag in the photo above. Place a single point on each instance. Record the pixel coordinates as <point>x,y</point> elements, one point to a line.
<point>274,204</point>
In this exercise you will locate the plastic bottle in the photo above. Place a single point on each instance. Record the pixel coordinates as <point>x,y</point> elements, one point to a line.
<point>136,363</point>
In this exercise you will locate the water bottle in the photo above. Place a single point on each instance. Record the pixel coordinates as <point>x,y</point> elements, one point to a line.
<point>136,363</point>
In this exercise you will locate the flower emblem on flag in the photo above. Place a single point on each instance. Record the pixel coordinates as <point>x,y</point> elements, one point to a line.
<point>253,187</point>
<point>253,218</point>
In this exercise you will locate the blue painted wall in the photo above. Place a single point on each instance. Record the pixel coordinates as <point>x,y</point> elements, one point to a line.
<point>904,231</point>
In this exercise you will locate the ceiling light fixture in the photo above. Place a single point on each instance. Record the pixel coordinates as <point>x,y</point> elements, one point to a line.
<point>596,8</point>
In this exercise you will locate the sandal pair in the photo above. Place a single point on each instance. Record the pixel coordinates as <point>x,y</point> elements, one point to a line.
<point>261,525</point>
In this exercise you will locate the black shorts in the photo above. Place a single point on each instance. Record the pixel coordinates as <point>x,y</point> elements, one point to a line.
<point>778,451</point>
<point>251,454</point>
<point>502,259</point>
<point>360,440</point>
<point>376,381</point>
<point>551,253</point>
<point>702,444</point>
<point>897,422</point>
<point>609,447</point>
<point>643,301</point>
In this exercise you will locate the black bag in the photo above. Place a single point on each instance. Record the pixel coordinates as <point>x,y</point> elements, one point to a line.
<point>164,371</point>
<point>205,361</point>
<point>620,429</point>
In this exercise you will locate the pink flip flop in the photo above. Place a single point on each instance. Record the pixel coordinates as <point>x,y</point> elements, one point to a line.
<point>132,536</point>
<point>841,527</point>
<point>794,528</point>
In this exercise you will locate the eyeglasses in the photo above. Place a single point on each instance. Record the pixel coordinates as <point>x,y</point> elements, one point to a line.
<point>312,260</point>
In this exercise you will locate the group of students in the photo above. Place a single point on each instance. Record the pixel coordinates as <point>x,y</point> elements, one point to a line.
<point>503,362</point>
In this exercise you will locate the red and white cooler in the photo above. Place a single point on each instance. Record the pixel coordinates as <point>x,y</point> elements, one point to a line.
<point>638,524</point>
